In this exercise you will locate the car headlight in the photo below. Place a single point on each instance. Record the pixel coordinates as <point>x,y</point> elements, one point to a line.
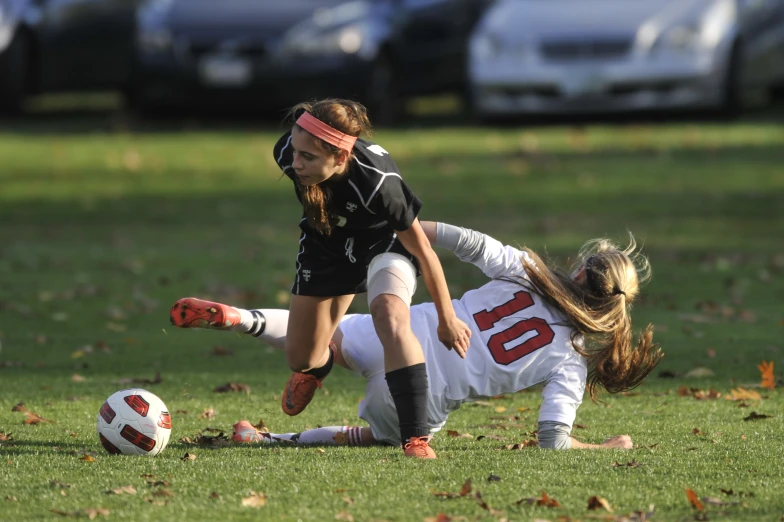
<point>158,40</point>
<point>686,37</point>
<point>485,47</point>
<point>347,40</point>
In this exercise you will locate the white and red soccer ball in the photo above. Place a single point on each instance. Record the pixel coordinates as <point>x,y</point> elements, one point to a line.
<point>134,422</point>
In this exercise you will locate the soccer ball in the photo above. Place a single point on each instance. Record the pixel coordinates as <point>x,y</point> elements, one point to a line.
<point>134,422</point>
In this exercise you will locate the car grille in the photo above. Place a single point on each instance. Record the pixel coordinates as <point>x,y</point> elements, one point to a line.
<point>585,48</point>
<point>197,49</point>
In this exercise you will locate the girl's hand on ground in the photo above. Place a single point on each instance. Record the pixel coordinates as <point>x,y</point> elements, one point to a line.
<point>455,335</point>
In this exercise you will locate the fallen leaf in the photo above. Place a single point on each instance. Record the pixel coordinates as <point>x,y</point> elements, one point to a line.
<point>711,353</point>
<point>122,490</point>
<point>214,495</point>
<point>700,372</point>
<point>30,417</point>
<point>581,426</point>
<point>221,351</point>
<point>233,387</point>
<point>756,416</point>
<point>344,515</point>
<point>544,500</point>
<point>77,378</point>
<point>167,493</point>
<point>255,500</point>
<point>465,490</point>
<point>694,500</point>
<point>89,513</point>
<point>87,458</point>
<point>321,450</point>
<point>668,374</point>
<point>454,433</point>
<point>493,478</point>
<point>742,394</point>
<point>500,409</point>
<point>188,456</point>
<point>768,379</point>
<point>521,445</point>
<point>523,408</point>
<point>697,432</point>
<point>597,502</point>
<point>348,500</point>
<point>485,506</point>
<point>10,498</point>
<point>441,517</point>
<point>5,437</point>
<point>208,413</point>
<point>491,436</point>
<point>632,464</point>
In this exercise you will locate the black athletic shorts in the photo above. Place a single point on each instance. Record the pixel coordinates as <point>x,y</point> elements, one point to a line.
<point>338,264</point>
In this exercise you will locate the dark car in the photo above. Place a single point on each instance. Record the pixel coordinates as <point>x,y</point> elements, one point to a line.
<point>271,54</point>
<point>64,45</point>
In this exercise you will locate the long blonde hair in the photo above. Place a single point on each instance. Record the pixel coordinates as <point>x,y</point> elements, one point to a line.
<point>599,308</point>
<point>349,117</point>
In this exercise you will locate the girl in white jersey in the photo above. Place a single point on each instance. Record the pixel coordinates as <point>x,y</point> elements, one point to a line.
<point>531,324</point>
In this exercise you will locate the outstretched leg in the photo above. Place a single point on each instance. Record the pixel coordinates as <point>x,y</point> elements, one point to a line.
<point>244,431</point>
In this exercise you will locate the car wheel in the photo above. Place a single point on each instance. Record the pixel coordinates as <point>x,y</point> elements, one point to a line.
<point>383,98</point>
<point>14,74</point>
<point>731,103</point>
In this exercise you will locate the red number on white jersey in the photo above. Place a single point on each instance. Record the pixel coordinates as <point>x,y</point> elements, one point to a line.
<point>486,319</point>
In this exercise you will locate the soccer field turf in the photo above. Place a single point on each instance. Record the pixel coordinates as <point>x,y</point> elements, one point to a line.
<point>101,233</point>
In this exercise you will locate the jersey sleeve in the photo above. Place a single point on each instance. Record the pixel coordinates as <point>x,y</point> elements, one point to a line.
<point>396,202</point>
<point>284,154</point>
<point>498,260</point>
<point>563,391</point>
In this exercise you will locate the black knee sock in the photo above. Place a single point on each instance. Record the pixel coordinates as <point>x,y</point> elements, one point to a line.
<point>409,390</point>
<point>322,372</point>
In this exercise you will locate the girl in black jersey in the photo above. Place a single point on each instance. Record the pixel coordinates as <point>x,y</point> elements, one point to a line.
<point>360,233</point>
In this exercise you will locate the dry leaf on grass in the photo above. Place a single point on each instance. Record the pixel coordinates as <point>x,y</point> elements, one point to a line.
<point>465,490</point>
<point>30,417</point>
<point>221,351</point>
<point>742,394</point>
<point>87,458</point>
<point>491,437</point>
<point>441,517</point>
<point>255,500</point>
<point>77,378</point>
<point>208,413</point>
<point>136,380</point>
<point>5,437</point>
<point>11,498</point>
<point>768,379</point>
<point>89,513</point>
<point>188,456</point>
<point>597,502</point>
<point>544,500</point>
<point>493,478</point>
<point>455,433</point>
<point>694,500</point>
<point>483,505</point>
<point>521,445</point>
<point>699,372</point>
<point>122,490</point>
<point>632,464</point>
<point>233,387</point>
<point>261,426</point>
<point>756,416</point>
<point>344,515</point>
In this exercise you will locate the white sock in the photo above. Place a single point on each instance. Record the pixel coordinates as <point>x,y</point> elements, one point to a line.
<point>328,435</point>
<point>267,324</point>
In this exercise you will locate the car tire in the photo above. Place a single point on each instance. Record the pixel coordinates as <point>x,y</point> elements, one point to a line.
<point>15,68</point>
<point>731,99</point>
<point>383,98</point>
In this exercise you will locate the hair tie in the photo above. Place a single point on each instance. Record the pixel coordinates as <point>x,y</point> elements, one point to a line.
<point>617,291</point>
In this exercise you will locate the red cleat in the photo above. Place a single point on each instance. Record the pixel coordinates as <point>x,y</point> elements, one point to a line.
<point>190,312</point>
<point>419,447</point>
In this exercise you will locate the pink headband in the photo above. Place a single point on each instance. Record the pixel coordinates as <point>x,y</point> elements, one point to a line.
<point>324,132</point>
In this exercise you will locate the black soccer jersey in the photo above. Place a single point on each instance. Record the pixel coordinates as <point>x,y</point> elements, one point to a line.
<point>371,198</point>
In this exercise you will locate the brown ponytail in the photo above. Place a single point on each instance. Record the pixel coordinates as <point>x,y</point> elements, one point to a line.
<point>349,117</point>
<point>599,309</point>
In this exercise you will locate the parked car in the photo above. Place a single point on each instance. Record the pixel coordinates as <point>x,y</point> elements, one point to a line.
<point>63,45</point>
<point>270,55</point>
<point>570,56</point>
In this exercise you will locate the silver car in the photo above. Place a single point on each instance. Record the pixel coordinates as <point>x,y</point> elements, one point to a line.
<point>572,56</point>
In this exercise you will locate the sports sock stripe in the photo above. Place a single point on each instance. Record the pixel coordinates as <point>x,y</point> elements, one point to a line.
<point>259,323</point>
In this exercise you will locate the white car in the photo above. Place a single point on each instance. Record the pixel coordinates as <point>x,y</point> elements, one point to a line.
<point>573,56</point>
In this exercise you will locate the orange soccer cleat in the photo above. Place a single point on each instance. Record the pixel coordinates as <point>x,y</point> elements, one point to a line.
<point>190,312</point>
<point>245,432</point>
<point>419,447</point>
<point>299,392</point>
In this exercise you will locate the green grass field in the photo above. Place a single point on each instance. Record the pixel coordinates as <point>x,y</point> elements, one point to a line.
<point>100,233</point>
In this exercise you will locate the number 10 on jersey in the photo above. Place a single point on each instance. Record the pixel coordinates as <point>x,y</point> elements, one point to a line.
<point>487,319</point>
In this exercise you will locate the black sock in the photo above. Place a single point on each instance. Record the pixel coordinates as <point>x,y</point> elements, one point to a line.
<point>409,389</point>
<point>322,372</point>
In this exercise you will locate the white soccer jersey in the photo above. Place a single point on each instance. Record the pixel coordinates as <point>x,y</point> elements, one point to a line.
<point>517,341</point>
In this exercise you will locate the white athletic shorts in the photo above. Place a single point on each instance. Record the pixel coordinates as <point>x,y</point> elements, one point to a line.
<point>364,354</point>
